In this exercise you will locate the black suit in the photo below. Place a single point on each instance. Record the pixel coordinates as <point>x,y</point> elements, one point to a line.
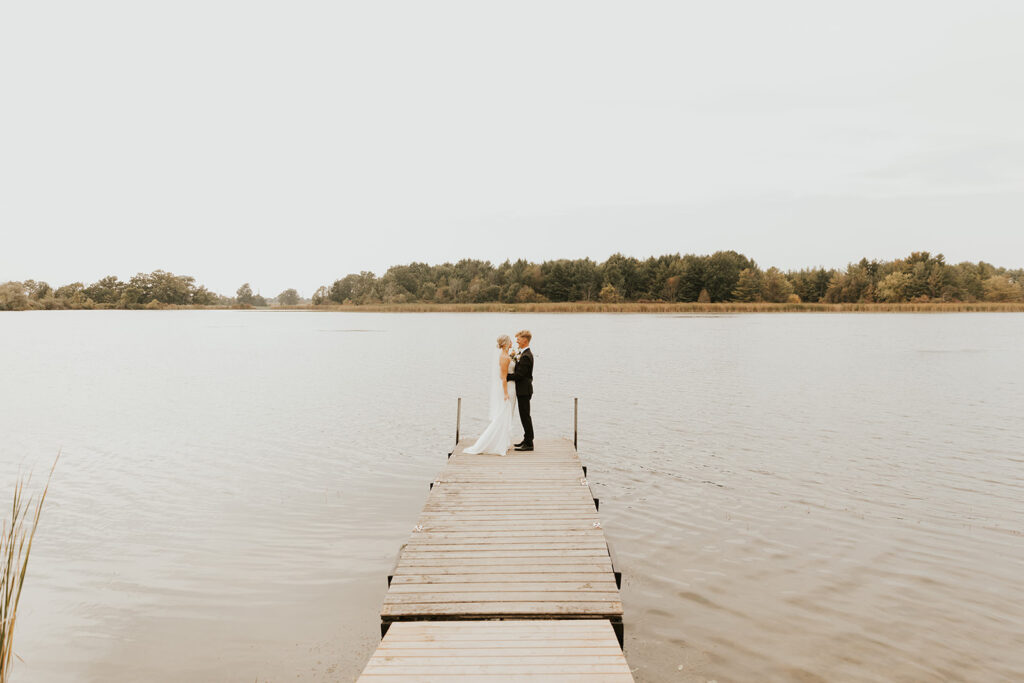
<point>523,377</point>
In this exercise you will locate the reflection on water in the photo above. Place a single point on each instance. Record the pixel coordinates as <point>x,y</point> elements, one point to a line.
<point>790,497</point>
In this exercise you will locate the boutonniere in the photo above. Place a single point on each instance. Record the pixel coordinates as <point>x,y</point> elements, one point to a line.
<point>514,355</point>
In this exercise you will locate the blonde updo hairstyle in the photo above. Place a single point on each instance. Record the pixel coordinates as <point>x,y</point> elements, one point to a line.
<point>504,340</point>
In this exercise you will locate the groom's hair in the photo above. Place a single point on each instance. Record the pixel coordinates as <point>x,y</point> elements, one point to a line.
<point>525,333</point>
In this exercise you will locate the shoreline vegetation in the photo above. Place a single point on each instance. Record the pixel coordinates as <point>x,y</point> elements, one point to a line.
<point>598,307</point>
<point>723,282</point>
<point>665,308</point>
<point>16,539</point>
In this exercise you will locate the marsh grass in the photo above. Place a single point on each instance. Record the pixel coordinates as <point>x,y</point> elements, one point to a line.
<point>15,547</point>
<point>661,307</point>
<point>624,307</point>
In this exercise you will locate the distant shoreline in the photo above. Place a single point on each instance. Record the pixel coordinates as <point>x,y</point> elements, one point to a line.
<point>678,307</point>
<point>599,307</point>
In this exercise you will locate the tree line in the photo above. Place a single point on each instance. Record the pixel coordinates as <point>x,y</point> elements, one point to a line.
<point>725,276</point>
<point>144,290</point>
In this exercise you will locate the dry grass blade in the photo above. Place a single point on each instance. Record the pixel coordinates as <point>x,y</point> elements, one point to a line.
<point>15,548</point>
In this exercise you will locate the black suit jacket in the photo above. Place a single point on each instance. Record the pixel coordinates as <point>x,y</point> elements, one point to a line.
<point>523,374</point>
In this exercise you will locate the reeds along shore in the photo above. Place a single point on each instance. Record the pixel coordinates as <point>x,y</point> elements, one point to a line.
<point>16,536</point>
<point>661,307</point>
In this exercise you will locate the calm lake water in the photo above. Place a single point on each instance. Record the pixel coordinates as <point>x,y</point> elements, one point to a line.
<point>790,497</point>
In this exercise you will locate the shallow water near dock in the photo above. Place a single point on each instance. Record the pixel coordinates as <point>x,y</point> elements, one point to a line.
<point>789,496</point>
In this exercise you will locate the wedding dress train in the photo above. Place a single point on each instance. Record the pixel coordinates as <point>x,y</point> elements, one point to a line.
<point>497,438</point>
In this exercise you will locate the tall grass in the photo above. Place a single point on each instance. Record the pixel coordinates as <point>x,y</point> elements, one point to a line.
<point>15,547</point>
<point>628,307</point>
<point>682,307</point>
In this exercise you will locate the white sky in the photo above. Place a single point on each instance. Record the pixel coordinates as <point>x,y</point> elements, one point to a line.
<point>289,143</point>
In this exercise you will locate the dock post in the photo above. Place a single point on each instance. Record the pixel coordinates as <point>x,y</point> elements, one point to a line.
<point>458,420</point>
<point>575,421</point>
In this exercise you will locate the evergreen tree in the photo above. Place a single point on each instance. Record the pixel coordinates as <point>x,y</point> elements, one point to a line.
<point>748,286</point>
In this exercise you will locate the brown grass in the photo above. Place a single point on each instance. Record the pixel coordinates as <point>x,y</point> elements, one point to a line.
<point>15,547</point>
<point>598,307</point>
<point>631,307</point>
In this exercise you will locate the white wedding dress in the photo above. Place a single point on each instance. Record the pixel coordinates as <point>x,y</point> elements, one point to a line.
<point>497,438</point>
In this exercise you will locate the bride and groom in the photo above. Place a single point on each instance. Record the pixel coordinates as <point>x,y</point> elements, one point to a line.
<point>511,384</point>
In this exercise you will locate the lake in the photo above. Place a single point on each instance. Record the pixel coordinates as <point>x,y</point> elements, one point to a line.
<point>789,496</point>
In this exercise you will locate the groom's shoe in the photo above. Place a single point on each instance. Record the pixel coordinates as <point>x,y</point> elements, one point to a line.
<point>521,443</point>
<point>525,447</point>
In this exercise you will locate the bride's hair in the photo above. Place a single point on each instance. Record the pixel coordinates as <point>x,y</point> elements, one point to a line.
<point>504,340</point>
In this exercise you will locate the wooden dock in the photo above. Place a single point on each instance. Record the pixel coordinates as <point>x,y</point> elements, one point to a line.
<point>507,573</point>
<point>466,651</point>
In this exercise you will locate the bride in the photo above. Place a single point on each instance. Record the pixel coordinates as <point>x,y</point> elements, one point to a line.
<point>497,438</point>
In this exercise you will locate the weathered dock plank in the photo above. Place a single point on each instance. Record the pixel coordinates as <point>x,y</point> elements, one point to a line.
<point>507,576</point>
<point>484,651</point>
<point>497,538</point>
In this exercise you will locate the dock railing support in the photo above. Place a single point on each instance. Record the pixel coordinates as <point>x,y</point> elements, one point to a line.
<point>575,422</point>
<point>458,420</point>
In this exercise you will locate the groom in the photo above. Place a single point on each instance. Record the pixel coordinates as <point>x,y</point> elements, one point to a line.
<point>523,377</point>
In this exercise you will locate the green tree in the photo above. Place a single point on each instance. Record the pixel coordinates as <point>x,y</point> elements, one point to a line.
<point>775,287</point>
<point>169,288</point>
<point>968,279</point>
<point>623,273</point>
<point>527,295</point>
<point>428,291</point>
<point>138,291</point>
<point>893,287</point>
<point>37,290</point>
<point>13,297</point>
<point>1002,288</point>
<point>355,288</point>
<point>586,277</point>
<point>406,280</point>
<point>723,272</point>
<point>72,296</point>
<point>107,291</point>
<point>68,291</point>
<point>857,284</point>
<point>559,281</point>
<point>748,286</point>
<point>609,294</point>
<point>244,295</point>
<point>811,284</point>
<point>929,276</point>
<point>692,270</point>
<point>204,297</point>
<point>288,297</point>
<point>392,291</point>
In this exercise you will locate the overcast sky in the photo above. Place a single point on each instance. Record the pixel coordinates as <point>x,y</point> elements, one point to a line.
<point>288,143</point>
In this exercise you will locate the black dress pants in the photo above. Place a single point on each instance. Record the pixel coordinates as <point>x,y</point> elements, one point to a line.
<point>524,417</point>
